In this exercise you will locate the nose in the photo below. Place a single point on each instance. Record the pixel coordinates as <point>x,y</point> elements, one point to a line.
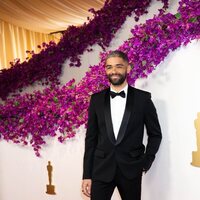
<point>114,70</point>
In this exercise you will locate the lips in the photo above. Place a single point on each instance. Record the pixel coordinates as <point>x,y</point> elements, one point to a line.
<point>115,76</point>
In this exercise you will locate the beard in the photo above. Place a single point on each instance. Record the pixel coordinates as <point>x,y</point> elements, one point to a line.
<point>117,81</point>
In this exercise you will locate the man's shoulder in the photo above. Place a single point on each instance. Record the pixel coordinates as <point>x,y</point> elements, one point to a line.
<point>140,92</point>
<point>100,93</point>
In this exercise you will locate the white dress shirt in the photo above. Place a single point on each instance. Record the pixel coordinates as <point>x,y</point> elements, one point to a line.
<point>117,106</point>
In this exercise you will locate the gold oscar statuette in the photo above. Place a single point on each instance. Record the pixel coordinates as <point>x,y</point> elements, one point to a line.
<point>50,187</point>
<point>196,154</point>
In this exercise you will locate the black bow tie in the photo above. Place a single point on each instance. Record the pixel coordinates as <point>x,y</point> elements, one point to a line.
<point>114,94</point>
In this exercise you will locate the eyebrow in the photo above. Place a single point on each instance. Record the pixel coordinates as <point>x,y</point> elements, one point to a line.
<point>115,65</point>
<point>119,64</point>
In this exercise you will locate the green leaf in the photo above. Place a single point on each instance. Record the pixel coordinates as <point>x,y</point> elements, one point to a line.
<point>193,19</point>
<point>145,38</point>
<point>21,120</point>
<point>178,15</point>
<point>144,62</point>
<point>132,65</point>
<point>16,103</point>
<point>55,99</point>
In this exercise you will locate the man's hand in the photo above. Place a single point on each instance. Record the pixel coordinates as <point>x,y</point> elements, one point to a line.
<point>86,187</point>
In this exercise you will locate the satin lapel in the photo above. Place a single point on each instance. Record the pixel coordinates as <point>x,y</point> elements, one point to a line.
<point>125,120</point>
<point>108,119</point>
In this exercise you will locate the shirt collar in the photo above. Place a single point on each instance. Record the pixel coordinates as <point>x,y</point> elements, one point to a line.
<point>125,89</point>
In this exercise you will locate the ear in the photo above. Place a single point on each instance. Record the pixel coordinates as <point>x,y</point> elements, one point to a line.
<point>129,68</point>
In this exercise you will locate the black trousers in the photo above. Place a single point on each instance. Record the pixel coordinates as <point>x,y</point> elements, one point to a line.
<point>129,189</point>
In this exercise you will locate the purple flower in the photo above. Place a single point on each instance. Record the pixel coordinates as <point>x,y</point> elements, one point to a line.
<point>58,111</point>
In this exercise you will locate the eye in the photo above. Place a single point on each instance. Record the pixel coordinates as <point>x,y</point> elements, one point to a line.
<point>119,66</point>
<point>108,67</point>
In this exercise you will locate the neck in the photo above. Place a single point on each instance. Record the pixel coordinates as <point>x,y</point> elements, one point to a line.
<point>117,88</point>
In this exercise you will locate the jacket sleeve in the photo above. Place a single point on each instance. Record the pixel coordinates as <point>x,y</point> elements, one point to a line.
<point>90,140</point>
<point>153,132</point>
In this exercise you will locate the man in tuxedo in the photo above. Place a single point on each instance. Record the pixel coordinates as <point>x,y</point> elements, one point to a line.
<point>115,155</point>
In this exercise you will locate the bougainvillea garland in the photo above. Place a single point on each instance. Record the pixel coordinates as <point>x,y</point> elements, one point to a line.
<point>31,117</point>
<point>46,66</point>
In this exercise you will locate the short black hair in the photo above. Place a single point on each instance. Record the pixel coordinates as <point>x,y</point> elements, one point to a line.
<point>119,54</point>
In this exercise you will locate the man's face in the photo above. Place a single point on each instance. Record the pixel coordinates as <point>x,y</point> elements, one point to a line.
<point>116,70</point>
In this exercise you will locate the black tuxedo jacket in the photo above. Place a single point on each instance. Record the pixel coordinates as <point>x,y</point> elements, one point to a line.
<point>103,153</point>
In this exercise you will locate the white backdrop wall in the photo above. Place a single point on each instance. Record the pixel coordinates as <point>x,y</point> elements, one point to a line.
<point>175,88</point>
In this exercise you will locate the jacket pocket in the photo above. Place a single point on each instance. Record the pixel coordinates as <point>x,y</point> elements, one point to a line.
<point>137,153</point>
<point>99,153</point>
